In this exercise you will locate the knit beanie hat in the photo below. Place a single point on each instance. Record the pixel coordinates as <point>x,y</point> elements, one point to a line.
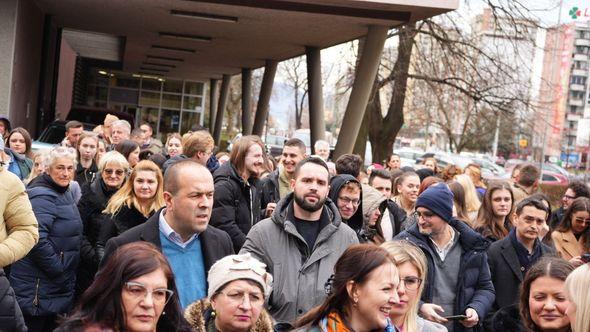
<point>235,267</point>
<point>438,199</point>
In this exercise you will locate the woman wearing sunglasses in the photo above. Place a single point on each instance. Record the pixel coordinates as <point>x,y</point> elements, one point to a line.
<point>411,264</point>
<point>238,288</point>
<point>134,292</point>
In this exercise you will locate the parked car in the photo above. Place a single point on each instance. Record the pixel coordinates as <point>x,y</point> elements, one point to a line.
<point>54,134</point>
<point>274,144</point>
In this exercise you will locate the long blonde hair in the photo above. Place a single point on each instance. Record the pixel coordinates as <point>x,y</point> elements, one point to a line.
<point>126,195</point>
<point>577,285</point>
<point>403,251</point>
<point>472,202</point>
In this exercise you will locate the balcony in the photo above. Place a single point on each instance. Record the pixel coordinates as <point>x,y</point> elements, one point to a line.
<point>582,42</point>
<point>577,87</point>
<point>580,72</point>
<point>573,117</point>
<point>576,102</point>
<point>580,57</point>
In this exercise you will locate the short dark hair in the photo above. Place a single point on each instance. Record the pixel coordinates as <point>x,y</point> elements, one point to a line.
<point>349,164</point>
<point>379,173</point>
<point>313,160</point>
<point>125,147</point>
<point>73,124</point>
<point>579,188</point>
<point>296,142</point>
<point>529,173</point>
<point>531,201</point>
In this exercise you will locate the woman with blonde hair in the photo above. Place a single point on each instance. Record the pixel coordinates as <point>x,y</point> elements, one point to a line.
<point>474,172</point>
<point>133,204</point>
<point>577,287</point>
<point>38,164</point>
<point>472,202</point>
<point>412,267</point>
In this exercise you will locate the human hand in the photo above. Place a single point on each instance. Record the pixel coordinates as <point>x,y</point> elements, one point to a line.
<point>430,311</point>
<point>472,318</point>
<point>576,261</point>
<point>270,207</point>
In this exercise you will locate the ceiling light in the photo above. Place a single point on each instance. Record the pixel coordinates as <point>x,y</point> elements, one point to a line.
<point>154,69</point>
<point>158,64</point>
<point>158,57</point>
<point>204,16</point>
<point>173,48</point>
<point>184,36</point>
<point>149,75</point>
<point>102,72</point>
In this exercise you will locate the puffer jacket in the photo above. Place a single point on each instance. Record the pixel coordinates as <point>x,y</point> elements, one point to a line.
<point>474,287</point>
<point>198,315</point>
<point>18,225</point>
<point>44,280</point>
<point>115,225</point>
<point>269,190</point>
<point>300,272</point>
<point>236,205</point>
<point>11,318</point>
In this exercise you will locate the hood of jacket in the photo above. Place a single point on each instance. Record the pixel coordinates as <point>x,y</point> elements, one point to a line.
<point>372,199</point>
<point>279,215</point>
<point>198,315</point>
<point>356,221</point>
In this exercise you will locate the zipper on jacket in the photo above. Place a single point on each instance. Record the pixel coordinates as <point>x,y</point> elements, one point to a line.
<point>61,256</point>
<point>36,299</point>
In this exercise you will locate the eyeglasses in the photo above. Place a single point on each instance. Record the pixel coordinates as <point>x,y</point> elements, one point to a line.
<point>139,291</point>
<point>568,197</point>
<point>424,215</point>
<point>411,283</point>
<point>347,200</point>
<point>238,297</point>
<point>118,172</point>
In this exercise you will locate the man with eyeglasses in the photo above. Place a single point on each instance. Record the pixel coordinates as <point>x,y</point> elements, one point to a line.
<point>511,257</point>
<point>574,190</point>
<point>458,274</point>
<point>300,243</point>
<point>346,193</point>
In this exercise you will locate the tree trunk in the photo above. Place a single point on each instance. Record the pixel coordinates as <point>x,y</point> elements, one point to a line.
<point>382,131</point>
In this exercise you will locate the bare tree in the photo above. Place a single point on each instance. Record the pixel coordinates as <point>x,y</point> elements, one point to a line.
<point>295,72</point>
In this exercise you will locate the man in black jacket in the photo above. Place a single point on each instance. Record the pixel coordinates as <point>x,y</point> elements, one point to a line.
<point>574,190</point>
<point>182,231</point>
<point>277,184</point>
<point>237,202</point>
<point>511,257</point>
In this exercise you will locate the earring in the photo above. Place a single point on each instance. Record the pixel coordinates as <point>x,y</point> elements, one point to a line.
<point>213,313</point>
<point>163,313</point>
<point>355,301</point>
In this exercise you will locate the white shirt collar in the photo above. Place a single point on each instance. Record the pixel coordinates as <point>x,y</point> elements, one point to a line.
<point>170,234</point>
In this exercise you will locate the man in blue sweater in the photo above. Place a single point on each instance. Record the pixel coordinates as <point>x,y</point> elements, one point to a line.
<point>182,231</point>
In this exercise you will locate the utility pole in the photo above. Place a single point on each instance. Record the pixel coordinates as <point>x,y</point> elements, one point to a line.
<point>496,137</point>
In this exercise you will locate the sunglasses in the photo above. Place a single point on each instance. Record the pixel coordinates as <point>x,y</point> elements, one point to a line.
<point>118,172</point>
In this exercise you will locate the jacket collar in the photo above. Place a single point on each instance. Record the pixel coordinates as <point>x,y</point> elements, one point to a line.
<point>468,238</point>
<point>509,254</point>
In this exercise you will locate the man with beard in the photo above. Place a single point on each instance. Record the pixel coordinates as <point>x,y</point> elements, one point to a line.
<point>458,280</point>
<point>236,207</point>
<point>300,243</point>
<point>278,183</point>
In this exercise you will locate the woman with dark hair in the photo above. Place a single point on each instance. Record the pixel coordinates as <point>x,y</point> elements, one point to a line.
<point>459,208</point>
<point>431,163</point>
<point>135,291</point>
<point>18,147</point>
<point>87,149</point>
<point>130,150</point>
<point>449,172</point>
<point>361,293</point>
<point>493,218</point>
<point>572,236</point>
<point>543,300</point>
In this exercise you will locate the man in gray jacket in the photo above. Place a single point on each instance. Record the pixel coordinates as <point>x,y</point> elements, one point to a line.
<point>300,243</point>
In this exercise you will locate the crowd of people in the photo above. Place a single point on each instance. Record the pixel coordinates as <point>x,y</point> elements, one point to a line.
<point>114,230</point>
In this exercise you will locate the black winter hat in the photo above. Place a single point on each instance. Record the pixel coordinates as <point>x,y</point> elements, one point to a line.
<point>438,199</point>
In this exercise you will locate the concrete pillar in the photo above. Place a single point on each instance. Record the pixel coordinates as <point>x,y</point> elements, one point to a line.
<point>246,101</point>
<point>213,91</point>
<point>221,107</point>
<point>361,89</point>
<point>270,70</point>
<point>315,98</point>
<point>8,10</point>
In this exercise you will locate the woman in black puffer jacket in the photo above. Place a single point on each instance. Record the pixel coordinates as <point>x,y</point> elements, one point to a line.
<point>133,204</point>
<point>44,280</point>
<point>112,171</point>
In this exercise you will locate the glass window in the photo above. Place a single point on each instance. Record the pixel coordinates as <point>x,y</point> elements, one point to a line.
<point>190,121</point>
<point>97,93</point>
<point>193,88</point>
<point>150,84</point>
<point>173,86</point>
<point>150,99</point>
<point>125,81</point>
<point>149,114</point>
<point>192,103</point>
<point>169,122</point>
<point>124,96</point>
<point>171,101</point>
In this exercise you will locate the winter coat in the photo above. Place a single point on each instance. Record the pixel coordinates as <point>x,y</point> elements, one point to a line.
<point>236,204</point>
<point>556,216</point>
<point>269,190</point>
<point>215,244</point>
<point>24,164</point>
<point>18,225</point>
<point>85,175</point>
<point>11,317</point>
<point>44,280</point>
<point>566,244</point>
<point>474,286</point>
<point>299,272</point>
<point>198,315</point>
<point>115,225</point>
<point>336,182</point>
<point>95,197</point>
